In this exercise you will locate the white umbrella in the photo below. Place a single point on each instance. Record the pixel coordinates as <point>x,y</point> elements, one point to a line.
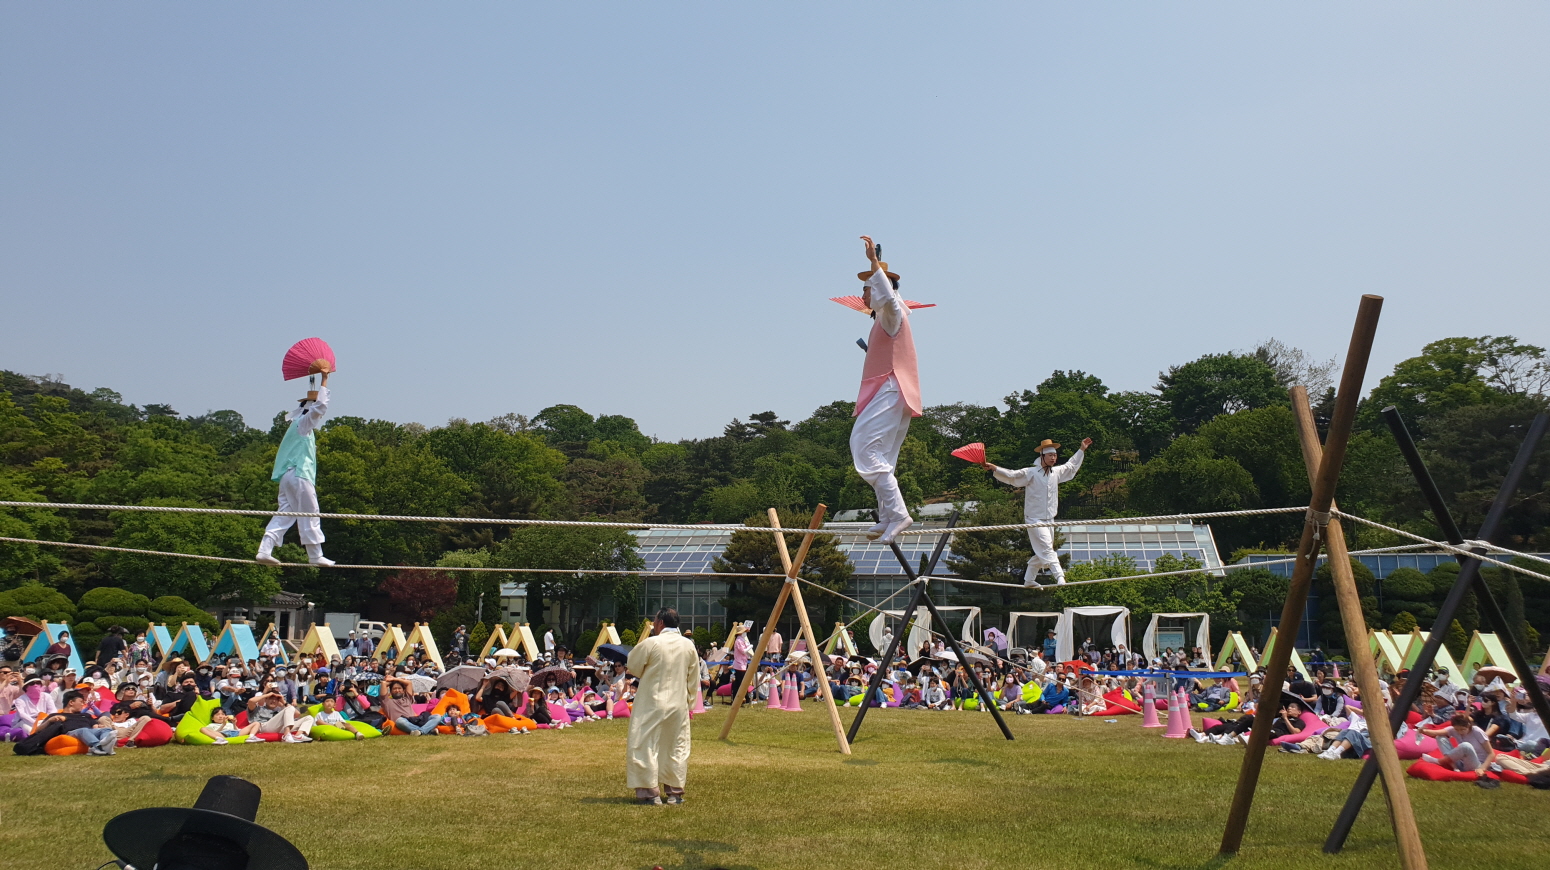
<point>506,652</point>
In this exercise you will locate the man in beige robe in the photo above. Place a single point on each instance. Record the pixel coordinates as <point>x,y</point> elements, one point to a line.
<point>668,667</point>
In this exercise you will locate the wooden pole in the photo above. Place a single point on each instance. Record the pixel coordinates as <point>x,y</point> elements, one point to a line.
<point>786,590</point>
<point>1302,571</point>
<point>1412,854</point>
<point>815,656</point>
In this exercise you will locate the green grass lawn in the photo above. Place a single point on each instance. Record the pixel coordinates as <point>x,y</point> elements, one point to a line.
<point>922,789</point>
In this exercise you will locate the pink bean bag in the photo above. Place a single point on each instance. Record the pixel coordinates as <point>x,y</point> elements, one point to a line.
<point>621,709</point>
<point>1415,744</point>
<point>1311,725</point>
<point>724,690</point>
<point>1209,723</point>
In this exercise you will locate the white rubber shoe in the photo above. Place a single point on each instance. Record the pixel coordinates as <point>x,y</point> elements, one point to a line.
<point>266,559</point>
<point>894,529</point>
<point>873,533</point>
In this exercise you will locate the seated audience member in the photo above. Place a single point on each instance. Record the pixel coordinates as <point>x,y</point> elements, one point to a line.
<point>398,708</point>
<point>223,730</point>
<point>1351,741</point>
<point>33,704</point>
<point>1534,738</point>
<point>358,707</point>
<point>73,720</point>
<point>1463,745</point>
<point>275,716</point>
<point>329,715</point>
<point>1493,720</point>
<point>177,703</point>
<point>1331,702</point>
<point>127,722</point>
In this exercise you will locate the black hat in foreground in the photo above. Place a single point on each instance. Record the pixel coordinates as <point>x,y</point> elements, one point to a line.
<point>217,832</point>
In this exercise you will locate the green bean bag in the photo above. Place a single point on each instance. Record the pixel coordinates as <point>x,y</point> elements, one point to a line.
<point>855,701</point>
<point>971,703</point>
<point>329,732</point>
<point>1031,692</point>
<point>197,717</point>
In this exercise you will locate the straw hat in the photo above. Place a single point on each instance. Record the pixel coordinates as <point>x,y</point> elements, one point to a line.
<point>884,266</point>
<point>1048,446</point>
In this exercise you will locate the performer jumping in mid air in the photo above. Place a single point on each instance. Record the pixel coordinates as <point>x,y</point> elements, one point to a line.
<point>1041,502</point>
<point>296,468</point>
<point>889,397</point>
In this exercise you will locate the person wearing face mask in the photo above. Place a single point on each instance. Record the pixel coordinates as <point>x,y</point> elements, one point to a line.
<point>32,704</point>
<point>1331,702</point>
<point>180,702</point>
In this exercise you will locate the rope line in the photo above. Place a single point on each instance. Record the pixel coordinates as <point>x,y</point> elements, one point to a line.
<point>708,527</point>
<point>1446,547</point>
<point>381,567</point>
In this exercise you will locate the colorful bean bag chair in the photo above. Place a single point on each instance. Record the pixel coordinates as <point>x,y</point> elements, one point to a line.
<point>1311,725</point>
<point>1414,745</point>
<point>155,733</point>
<point>10,732</point>
<point>854,700</point>
<point>197,717</point>
<point>1119,705</point>
<point>498,724</point>
<point>64,744</point>
<point>452,698</point>
<point>622,709</point>
<point>241,720</point>
<point>330,732</point>
<point>1437,773</point>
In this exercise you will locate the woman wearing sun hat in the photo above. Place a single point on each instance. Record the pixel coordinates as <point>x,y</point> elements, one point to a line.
<point>1041,502</point>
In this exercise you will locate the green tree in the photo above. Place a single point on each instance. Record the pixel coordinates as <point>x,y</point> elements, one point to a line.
<point>1218,384</point>
<point>1404,623</point>
<point>579,549</point>
<point>37,602</point>
<point>754,552</point>
<point>1446,375</point>
<point>22,562</point>
<point>1457,640</point>
<point>198,534</point>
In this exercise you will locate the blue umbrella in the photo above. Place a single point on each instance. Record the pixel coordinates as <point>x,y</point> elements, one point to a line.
<point>614,652</point>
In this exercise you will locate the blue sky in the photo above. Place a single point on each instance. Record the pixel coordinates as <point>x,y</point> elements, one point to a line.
<point>642,208</point>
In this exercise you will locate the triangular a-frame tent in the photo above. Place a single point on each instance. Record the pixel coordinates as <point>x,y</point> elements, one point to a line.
<point>161,638</point>
<point>1386,651</point>
<point>393,641</point>
<point>1296,660</point>
<point>1444,659</point>
<point>273,631</point>
<point>1236,644</point>
<point>524,633</point>
<point>320,640</point>
<point>421,634</point>
<point>840,641</point>
<point>495,641</point>
<point>605,634</point>
<point>1484,649</point>
<point>50,636</point>
<point>192,639</point>
<point>236,639</point>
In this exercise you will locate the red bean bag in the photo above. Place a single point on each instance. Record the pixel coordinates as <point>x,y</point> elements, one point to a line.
<point>64,744</point>
<point>1119,705</point>
<point>1437,773</point>
<point>155,733</point>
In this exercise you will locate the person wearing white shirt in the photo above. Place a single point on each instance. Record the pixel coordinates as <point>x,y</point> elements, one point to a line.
<point>1036,665</point>
<point>296,470</point>
<point>1041,503</point>
<point>549,644</point>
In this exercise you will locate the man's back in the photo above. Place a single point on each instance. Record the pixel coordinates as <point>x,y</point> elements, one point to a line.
<point>668,667</point>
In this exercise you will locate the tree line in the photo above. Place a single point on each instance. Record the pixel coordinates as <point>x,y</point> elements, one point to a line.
<point>1216,433</point>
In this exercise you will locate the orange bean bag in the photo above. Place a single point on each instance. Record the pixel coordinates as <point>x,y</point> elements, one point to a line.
<point>452,698</point>
<point>499,724</point>
<point>64,744</point>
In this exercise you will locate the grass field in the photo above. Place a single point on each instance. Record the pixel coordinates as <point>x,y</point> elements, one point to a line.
<point>921,790</point>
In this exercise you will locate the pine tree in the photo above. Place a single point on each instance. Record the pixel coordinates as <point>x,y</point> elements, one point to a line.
<point>1404,623</point>
<point>1457,641</point>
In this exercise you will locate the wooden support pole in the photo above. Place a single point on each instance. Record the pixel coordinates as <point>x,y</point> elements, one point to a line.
<point>758,657</point>
<point>1302,571</point>
<point>1412,854</point>
<point>794,567</point>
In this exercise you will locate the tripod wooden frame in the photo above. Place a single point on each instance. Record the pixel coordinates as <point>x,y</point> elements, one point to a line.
<point>792,591</point>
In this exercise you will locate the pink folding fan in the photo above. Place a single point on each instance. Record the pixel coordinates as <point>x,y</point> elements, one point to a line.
<point>974,453</point>
<point>855,302</point>
<point>308,356</point>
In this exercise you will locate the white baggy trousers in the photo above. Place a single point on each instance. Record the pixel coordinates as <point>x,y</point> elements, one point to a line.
<point>1044,556</point>
<point>296,494</point>
<point>875,440</point>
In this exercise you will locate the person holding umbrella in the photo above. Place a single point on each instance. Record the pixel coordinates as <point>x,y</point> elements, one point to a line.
<point>667,665</point>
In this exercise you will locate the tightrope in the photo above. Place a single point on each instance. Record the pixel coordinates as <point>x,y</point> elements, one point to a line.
<point>681,527</point>
<point>1446,547</point>
<point>432,568</point>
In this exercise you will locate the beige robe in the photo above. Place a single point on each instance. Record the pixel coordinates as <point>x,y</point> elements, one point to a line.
<point>668,667</point>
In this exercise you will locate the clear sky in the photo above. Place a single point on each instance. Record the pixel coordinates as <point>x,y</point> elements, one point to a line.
<point>642,208</point>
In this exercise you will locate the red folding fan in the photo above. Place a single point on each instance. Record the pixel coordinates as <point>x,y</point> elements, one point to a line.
<point>306,357</point>
<point>974,453</point>
<point>856,303</point>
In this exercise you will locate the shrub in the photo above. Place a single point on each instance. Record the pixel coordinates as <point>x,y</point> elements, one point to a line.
<point>628,636</point>
<point>584,643</point>
<point>37,602</point>
<point>1404,622</point>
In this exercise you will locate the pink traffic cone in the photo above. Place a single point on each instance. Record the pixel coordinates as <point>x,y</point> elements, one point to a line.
<point>775,702</point>
<point>1149,707</point>
<point>794,696</point>
<point>1178,718</point>
<point>699,704</point>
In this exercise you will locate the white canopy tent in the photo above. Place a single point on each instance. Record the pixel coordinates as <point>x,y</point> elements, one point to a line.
<point>1119,631</point>
<point>971,622</point>
<point>920,631</point>
<point>1012,624</point>
<point>1202,636</point>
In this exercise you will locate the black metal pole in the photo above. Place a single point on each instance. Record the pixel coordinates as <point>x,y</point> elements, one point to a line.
<point>985,697</point>
<point>1469,575</point>
<point>876,684</point>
